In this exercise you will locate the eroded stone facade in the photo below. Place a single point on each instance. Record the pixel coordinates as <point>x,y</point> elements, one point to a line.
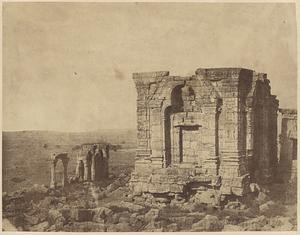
<point>287,123</point>
<point>213,131</point>
<point>92,162</point>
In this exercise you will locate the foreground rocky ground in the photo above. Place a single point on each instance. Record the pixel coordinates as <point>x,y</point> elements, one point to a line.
<point>110,207</point>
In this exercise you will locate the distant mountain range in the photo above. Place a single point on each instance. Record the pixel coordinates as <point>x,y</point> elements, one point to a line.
<point>126,137</point>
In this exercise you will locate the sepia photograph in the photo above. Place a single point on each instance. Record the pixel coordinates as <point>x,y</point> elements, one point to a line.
<point>149,117</point>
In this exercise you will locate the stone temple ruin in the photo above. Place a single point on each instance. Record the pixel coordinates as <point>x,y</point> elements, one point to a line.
<point>92,162</point>
<point>210,134</point>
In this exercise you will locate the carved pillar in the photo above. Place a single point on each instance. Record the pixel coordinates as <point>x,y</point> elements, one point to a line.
<point>87,171</point>
<point>77,169</point>
<point>52,177</point>
<point>265,173</point>
<point>249,137</point>
<point>105,163</point>
<point>93,167</point>
<point>65,172</point>
<point>211,163</point>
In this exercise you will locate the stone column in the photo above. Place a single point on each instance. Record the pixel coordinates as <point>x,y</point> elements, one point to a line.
<point>265,173</point>
<point>65,172</point>
<point>105,164</point>
<point>249,140</point>
<point>52,179</point>
<point>93,167</point>
<point>86,170</point>
<point>77,169</point>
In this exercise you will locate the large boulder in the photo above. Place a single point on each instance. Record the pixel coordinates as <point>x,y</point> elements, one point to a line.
<point>209,223</point>
<point>41,227</point>
<point>31,219</point>
<point>120,227</point>
<point>255,224</point>
<point>53,216</point>
<point>262,197</point>
<point>230,228</point>
<point>124,217</point>
<point>56,218</point>
<point>171,228</point>
<point>85,227</point>
<point>136,221</point>
<point>280,223</point>
<point>36,192</point>
<point>101,214</point>
<point>114,185</point>
<point>152,215</point>
<point>134,208</point>
<point>266,206</point>
<point>81,215</point>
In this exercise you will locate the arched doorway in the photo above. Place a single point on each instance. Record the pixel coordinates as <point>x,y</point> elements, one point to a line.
<point>176,106</point>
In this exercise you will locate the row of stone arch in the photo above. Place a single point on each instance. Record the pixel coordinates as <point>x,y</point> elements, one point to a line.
<point>92,162</point>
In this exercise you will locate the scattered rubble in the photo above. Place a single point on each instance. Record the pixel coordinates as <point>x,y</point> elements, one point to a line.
<point>79,207</point>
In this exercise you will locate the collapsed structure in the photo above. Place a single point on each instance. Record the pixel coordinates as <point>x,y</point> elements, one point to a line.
<point>209,134</point>
<point>92,162</point>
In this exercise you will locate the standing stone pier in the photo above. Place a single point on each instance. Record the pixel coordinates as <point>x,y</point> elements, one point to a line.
<point>287,124</point>
<point>92,162</point>
<point>55,157</point>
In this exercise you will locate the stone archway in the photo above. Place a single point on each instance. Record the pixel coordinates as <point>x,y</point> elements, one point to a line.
<point>55,157</point>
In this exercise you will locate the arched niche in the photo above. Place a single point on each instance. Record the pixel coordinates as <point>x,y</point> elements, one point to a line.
<point>176,106</point>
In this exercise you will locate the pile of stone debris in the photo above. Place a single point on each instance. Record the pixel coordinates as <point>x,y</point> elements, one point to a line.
<point>111,207</point>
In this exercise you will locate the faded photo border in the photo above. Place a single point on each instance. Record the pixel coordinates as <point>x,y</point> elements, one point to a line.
<point>297,9</point>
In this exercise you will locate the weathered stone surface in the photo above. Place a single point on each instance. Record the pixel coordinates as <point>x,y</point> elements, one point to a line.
<point>187,124</point>
<point>41,227</point>
<point>230,227</point>
<point>133,207</point>
<point>152,215</point>
<point>208,223</point>
<point>287,169</point>
<point>85,227</point>
<point>92,162</point>
<point>101,214</point>
<point>32,220</point>
<point>119,227</point>
<point>266,206</point>
<point>81,215</point>
<point>255,224</point>
<point>280,223</point>
<point>54,216</point>
<point>55,157</point>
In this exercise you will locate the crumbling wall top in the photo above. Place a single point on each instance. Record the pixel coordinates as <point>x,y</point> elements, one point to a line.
<point>215,73</point>
<point>292,112</point>
<point>151,74</point>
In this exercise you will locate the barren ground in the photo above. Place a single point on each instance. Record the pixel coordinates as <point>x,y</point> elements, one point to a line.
<point>26,155</point>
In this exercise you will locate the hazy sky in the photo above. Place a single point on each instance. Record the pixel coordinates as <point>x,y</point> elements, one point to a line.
<point>68,66</point>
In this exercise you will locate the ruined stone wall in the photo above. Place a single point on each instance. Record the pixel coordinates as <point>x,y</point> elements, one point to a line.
<point>288,145</point>
<point>214,126</point>
<point>92,162</point>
